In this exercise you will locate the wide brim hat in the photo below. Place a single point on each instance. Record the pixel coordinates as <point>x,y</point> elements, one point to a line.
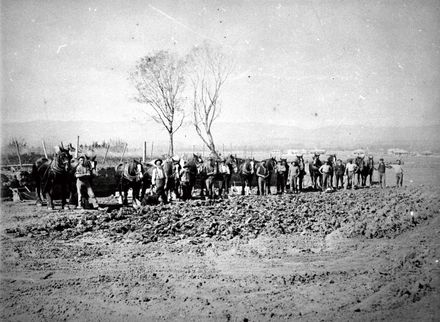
<point>158,160</point>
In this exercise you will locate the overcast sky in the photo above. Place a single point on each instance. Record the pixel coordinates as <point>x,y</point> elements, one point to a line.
<point>305,63</point>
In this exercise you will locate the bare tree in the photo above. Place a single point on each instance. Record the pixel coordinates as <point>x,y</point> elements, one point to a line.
<point>159,80</point>
<point>208,69</point>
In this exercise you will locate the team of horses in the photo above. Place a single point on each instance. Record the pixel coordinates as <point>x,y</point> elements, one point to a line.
<point>137,175</point>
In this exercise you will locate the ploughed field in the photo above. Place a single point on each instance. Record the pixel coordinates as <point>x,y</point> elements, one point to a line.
<point>367,254</point>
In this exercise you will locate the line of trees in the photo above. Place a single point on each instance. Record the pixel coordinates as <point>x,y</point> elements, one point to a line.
<point>165,82</point>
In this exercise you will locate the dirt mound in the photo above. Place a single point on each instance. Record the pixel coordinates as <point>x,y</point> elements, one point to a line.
<point>370,213</point>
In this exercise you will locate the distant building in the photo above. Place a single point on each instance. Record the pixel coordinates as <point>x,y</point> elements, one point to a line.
<point>396,151</point>
<point>296,152</point>
<point>275,153</point>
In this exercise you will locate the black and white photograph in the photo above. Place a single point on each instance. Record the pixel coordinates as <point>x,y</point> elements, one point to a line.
<point>225,160</point>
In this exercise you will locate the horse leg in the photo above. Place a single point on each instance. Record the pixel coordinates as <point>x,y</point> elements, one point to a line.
<point>125,193</point>
<point>202,188</point>
<point>259,191</point>
<point>120,199</point>
<point>38,191</point>
<point>268,183</point>
<point>63,197</point>
<point>143,189</point>
<point>136,189</point>
<point>243,183</point>
<point>50,205</point>
<point>250,184</point>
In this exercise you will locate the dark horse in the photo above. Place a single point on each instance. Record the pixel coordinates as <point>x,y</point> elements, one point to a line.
<point>171,169</point>
<point>194,164</point>
<point>231,163</point>
<point>129,175</point>
<point>302,170</point>
<point>315,175</point>
<point>367,171</point>
<point>47,174</point>
<point>270,166</point>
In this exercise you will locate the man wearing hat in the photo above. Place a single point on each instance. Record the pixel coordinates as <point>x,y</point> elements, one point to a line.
<point>325,170</point>
<point>381,170</point>
<point>211,171</point>
<point>158,180</point>
<point>185,179</point>
<point>398,170</point>
<point>225,172</point>
<point>293,176</point>
<point>339,173</point>
<point>83,175</point>
<point>282,171</point>
<point>262,176</point>
<point>350,169</point>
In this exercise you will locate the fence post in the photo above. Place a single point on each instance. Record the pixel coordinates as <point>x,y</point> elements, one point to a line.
<point>77,146</point>
<point>106,151</point>
<point>144,155</point>
<point>18,152</point>
<point>44,148</point>
<point>125,148</point>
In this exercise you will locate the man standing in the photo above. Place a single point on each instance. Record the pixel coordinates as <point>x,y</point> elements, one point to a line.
<point>399,173</point>
<point>281,171</point>
<point>185,178</point>
<point>225,173</point>
<point>294,172</point>
<point>158,181</point>
<point>381,170</point>
<point>83,177</point>
<point>262,175</point>
<point>211,171</point>
<point>326,171</point>
<point>339,173</point>
<point>350,169</point>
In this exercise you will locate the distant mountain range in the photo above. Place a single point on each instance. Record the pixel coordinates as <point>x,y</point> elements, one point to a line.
<point>238,135</point>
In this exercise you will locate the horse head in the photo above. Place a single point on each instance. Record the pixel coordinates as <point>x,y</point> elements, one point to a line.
<point>360,162</point>
<point>316,162</point>
<point>197,158</point>
<point>270,163</point>
<point>62,160</point>
<point>252,165</point>
<point>232,163</point>
<point>370,162</point>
